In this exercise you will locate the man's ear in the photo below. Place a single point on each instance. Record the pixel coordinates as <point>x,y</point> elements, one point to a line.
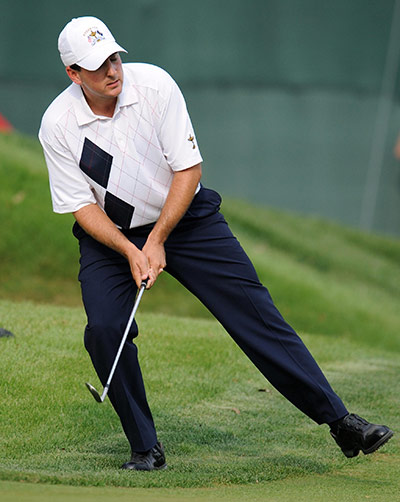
<point>73,75</point>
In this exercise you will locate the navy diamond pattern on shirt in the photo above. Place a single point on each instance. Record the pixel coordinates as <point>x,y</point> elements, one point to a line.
<point>118,211</point>
<point>96,163</point>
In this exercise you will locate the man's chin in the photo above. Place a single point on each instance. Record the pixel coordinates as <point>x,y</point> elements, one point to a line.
<point>114,88</point>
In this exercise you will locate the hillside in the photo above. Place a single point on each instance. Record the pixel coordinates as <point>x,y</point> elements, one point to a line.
<point>325,278</point>
<point>229,435</point>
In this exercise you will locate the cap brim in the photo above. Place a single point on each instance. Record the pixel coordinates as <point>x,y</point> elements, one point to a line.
<point>99,54</point>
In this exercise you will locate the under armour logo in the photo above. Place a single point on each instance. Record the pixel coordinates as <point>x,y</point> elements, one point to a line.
<point>191,138</point>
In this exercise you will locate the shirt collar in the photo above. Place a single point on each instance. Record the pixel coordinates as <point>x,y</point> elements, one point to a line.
<point>128,95</point>
<point>83,112</point>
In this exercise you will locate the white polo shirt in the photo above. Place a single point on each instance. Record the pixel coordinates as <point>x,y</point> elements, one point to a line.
<point>125,164</point>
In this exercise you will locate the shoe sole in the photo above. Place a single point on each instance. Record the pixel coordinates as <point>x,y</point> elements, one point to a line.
<point>384,439</point>
<point>161,468</point>
<point>353,453</point>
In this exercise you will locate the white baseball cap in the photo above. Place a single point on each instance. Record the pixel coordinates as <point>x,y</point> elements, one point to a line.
<point>88,42</point>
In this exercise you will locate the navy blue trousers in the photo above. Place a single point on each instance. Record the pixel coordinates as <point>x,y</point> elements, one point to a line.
<point>204,256</point>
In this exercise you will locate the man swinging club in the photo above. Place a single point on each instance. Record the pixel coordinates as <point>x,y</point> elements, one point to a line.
<point>123,158</point>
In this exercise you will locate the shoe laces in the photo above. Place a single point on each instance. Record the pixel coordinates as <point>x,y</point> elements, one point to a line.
<point>139,457</point>
<point>355,422</point>
<point>145,456</point>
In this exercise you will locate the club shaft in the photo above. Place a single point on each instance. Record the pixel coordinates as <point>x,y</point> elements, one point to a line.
<point>128,327</point>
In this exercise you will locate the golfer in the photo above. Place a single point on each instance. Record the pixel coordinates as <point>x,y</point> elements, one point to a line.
<point>123,157</point>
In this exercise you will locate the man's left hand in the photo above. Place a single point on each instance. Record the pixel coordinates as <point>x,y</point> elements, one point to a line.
<point>155,253</point>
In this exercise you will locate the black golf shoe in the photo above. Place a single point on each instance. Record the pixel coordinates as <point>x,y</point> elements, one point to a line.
<point>352,433</point>
<point>148,461</point>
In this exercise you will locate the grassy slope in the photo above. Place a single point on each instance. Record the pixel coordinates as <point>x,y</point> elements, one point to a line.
<point>338,287</point>
<point>325,278</point>
<point>36,248</point>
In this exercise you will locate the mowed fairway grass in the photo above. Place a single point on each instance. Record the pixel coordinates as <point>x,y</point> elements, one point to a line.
<point>223,426</point>
<point>228,434</point>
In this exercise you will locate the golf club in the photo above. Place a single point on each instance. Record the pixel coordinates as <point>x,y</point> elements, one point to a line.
<point>92,390</point>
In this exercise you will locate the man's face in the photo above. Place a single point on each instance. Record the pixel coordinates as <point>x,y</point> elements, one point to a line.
<point>103,83</point>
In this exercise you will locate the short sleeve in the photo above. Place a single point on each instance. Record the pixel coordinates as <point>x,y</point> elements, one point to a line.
<point>68,187</point>
<point>176,133</point>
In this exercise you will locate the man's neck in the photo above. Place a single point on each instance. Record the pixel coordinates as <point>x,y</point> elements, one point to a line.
<point>104,108</point>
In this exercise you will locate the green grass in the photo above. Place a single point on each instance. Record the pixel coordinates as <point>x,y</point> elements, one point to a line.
<point>36,248</point>
<point>225,438</point>
<point>220,430</point>
<point>325,278</point>
<point>312,267</point>
<point>368,481</point>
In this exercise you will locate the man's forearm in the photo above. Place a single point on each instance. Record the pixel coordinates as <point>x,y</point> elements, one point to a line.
<point>97,224</point>
<point>180,196</point>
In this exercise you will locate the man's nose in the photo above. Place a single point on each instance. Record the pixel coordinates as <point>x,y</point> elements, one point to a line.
<point>111,68</point>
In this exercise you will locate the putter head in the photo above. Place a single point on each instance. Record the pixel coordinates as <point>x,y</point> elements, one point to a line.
<point>94,392</point>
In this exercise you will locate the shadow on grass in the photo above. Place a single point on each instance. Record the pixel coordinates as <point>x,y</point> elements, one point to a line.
<point>198,455</point>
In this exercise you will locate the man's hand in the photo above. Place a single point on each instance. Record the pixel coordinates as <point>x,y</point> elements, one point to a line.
<point>140,267</point>
<point>155,254</point>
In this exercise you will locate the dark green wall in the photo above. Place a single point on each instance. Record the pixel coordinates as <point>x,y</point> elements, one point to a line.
<point>283,93</point>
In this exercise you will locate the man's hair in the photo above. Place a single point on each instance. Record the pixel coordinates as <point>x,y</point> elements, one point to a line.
<point>75,67</point>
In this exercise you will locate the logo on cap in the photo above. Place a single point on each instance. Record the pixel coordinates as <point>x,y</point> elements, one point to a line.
<point>95,36</point>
